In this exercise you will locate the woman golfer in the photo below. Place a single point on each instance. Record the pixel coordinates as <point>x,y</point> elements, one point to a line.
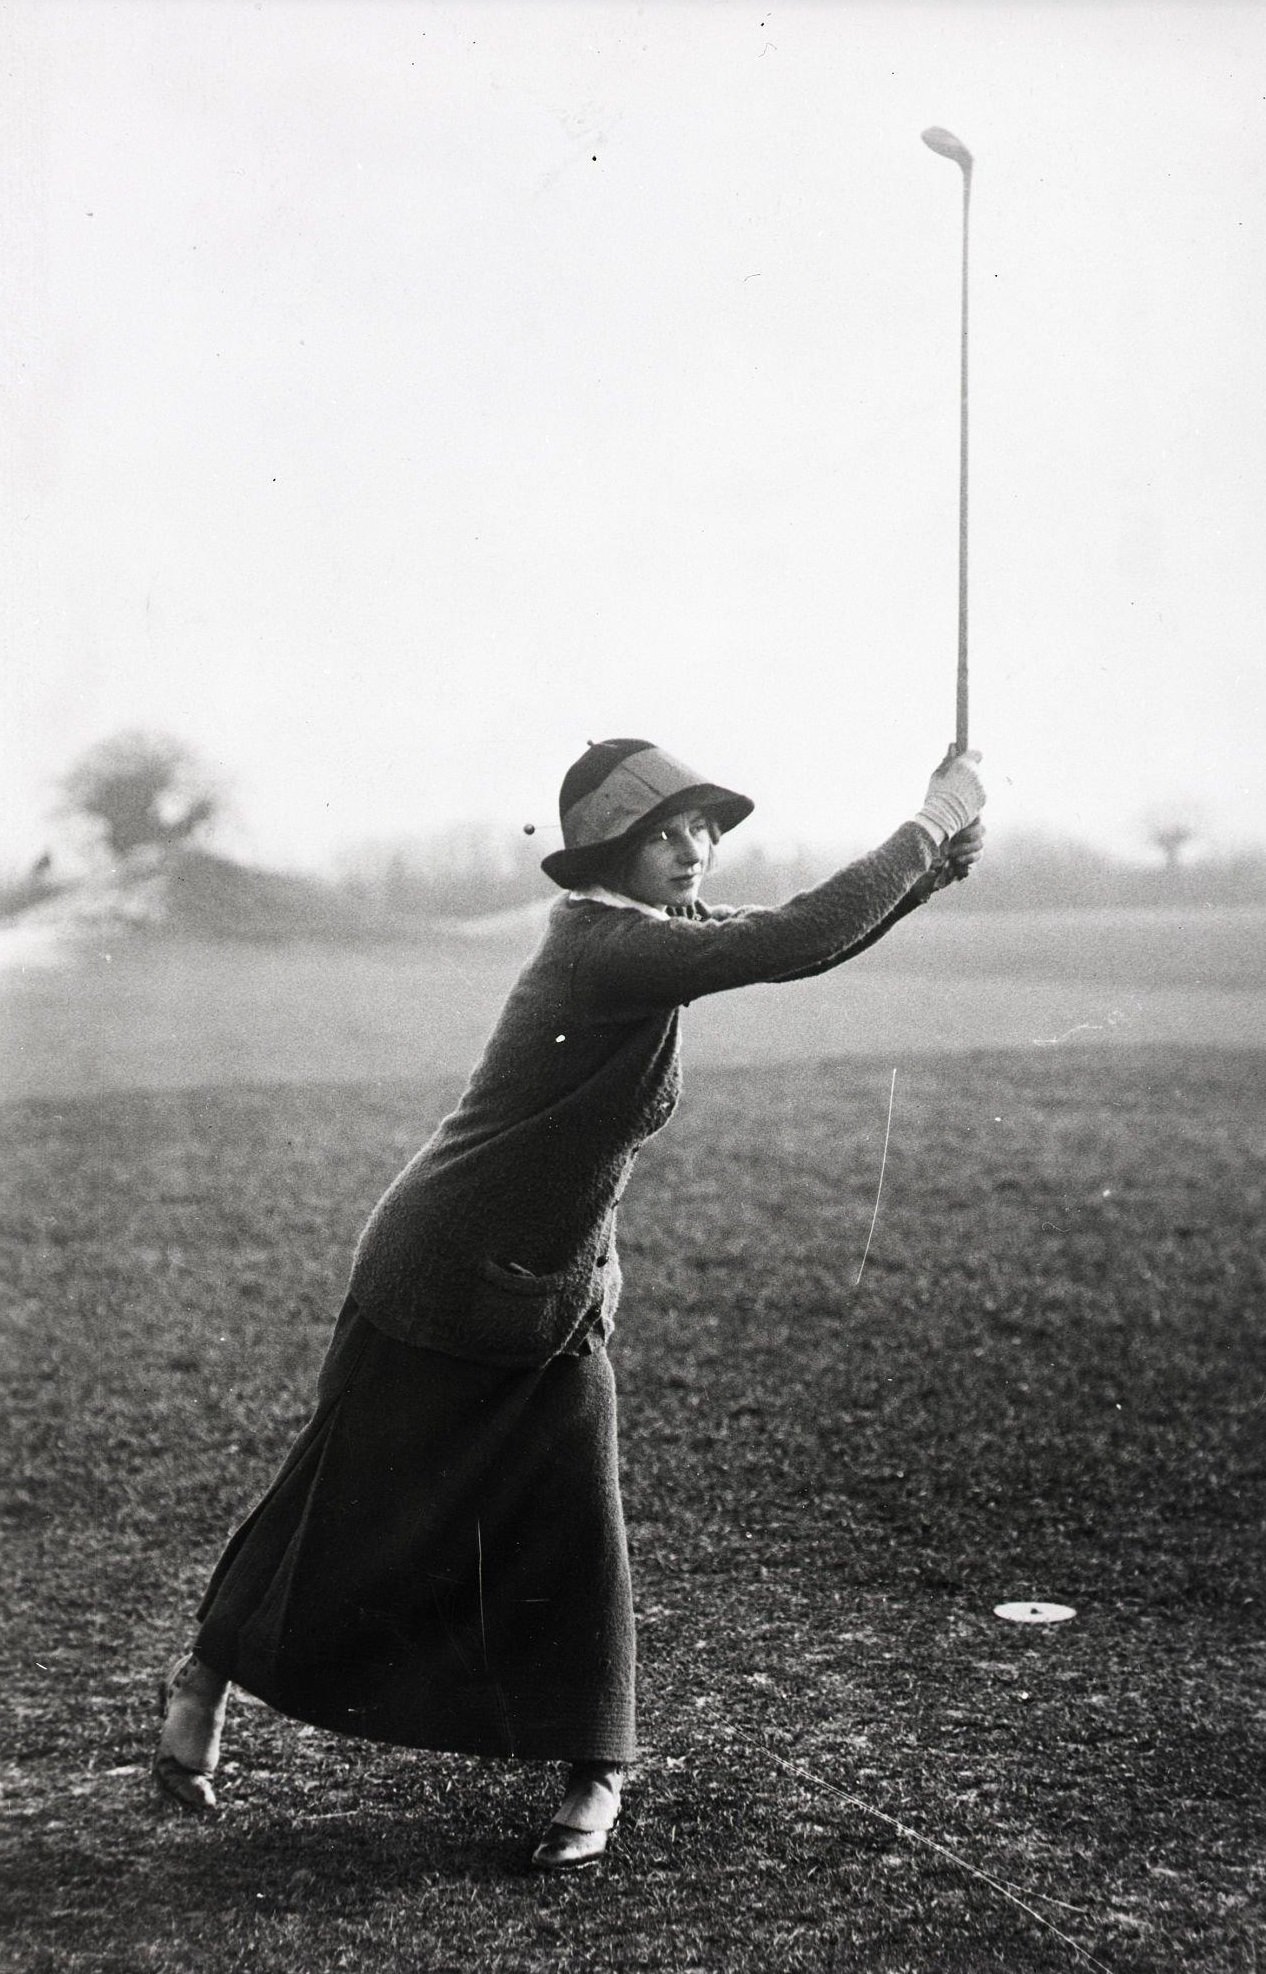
<point>441,1560</point>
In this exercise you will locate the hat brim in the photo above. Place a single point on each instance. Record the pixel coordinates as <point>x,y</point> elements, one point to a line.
<point>726,808</point>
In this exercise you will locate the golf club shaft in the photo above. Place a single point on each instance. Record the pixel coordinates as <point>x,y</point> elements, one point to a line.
<point>946,145</point>
<point>960,727</point>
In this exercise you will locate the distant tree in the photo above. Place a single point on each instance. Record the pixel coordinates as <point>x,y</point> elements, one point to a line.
<point>462,871</point>
<point>1171,839</point>
<point>753,875</point>
<point>1170,831</point>
<point>141,789</point>
<point>1037,870</point>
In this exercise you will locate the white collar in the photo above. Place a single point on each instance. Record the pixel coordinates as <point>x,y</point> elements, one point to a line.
<point>598,894</point>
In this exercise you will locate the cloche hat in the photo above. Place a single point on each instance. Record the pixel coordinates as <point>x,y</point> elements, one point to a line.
<point>616,791</point>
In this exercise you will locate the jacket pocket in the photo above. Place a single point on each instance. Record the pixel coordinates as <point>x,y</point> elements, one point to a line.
<point>521,1319</point>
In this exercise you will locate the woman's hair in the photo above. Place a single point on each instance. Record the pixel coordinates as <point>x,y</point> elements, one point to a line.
<point>623,858</point>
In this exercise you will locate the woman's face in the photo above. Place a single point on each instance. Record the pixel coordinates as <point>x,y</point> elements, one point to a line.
<point>669,867</point>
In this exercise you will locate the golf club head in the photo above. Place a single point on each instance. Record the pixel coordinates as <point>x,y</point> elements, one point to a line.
<point>948,145</point>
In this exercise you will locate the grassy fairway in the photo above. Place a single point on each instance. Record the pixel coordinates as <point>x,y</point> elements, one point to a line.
<point>142,1014</point>
<point>1048,1384</point>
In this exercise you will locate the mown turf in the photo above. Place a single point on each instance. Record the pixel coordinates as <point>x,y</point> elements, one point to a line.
<point>1048,1385</point>
<point>134,1013</point>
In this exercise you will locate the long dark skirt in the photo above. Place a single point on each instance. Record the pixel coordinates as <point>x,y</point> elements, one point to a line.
<point>441,1560</point>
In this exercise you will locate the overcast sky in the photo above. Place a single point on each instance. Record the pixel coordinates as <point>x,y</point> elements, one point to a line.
<point>401,395</point>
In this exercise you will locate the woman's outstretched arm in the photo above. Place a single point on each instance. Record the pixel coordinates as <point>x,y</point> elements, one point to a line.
<point>630,964</point>
<point>951,865</point>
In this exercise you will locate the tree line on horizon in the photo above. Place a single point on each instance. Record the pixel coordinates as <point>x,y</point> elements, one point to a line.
<point>146,797</point>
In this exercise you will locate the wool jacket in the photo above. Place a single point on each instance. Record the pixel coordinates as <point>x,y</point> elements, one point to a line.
<point>496,1242</point>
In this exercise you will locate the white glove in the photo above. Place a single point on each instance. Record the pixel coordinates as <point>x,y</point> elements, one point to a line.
<point>955,797</point>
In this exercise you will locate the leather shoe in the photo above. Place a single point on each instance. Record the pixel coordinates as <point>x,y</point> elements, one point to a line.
<point>584,1820</point>
<point>192,1701</point>
<point>564,1849</point>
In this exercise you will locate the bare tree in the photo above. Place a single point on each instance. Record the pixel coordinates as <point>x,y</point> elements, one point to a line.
<point>1171,839</point>
<point>142,789</point>
<point>462,871</point>
<point>1171,830</point>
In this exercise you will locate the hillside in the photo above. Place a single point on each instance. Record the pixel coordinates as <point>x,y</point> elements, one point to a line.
<point>191,894</point>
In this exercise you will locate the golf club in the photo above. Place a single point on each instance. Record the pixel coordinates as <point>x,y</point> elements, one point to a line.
<point>948,146</point>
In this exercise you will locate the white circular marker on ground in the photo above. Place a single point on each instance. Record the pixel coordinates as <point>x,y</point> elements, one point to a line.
<point>1035,1613</point>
